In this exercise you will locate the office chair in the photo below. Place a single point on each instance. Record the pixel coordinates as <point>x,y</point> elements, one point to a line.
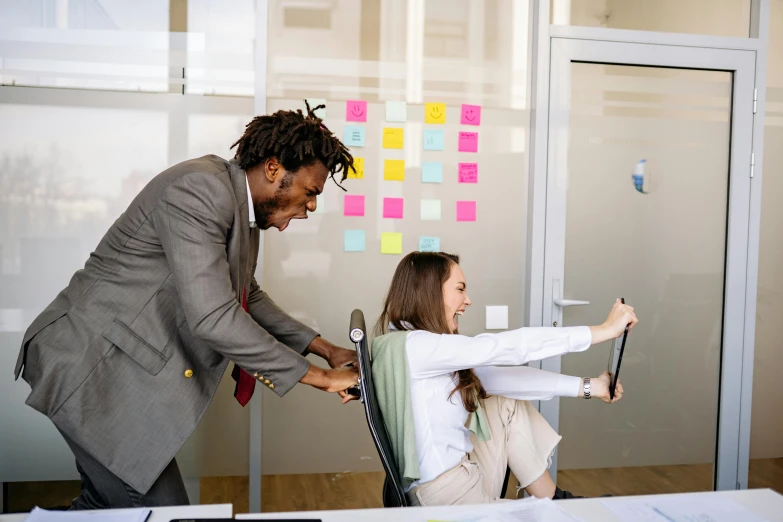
<point>393,492</point>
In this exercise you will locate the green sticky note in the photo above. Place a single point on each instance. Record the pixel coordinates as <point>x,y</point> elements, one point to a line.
<point>391,243</point>
<point>430,210</point>
<point>396,111</point>
<point>354,241</point>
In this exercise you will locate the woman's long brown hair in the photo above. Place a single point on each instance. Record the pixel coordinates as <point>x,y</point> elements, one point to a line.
<point>415,302</point>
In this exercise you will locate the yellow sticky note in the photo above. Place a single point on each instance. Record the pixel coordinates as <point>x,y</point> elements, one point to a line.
<point>394,170</point>
<point>391,243</point>
<point>393,138</point>
<point>435,113</point>
<point>358,164</point>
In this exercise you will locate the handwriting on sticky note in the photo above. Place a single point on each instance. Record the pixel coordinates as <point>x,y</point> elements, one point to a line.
<point>467,172</point>
<point>430,210</point>
<point>353,205</point>
<point>392,208</point>
<point>354,240</point>
<point>354,136</point>
<point>394,170</point>
<point>468,142</point>
<point>470,114</point>
<point>396,111</point>
<point>429,244</point>
<point>432,172</point>
<point>391,243</point>
<point>393,137</point>
<point>315,102</point>
<point>466,211</point>
<point>433,139</point>
<point>435,113</point>
<point>358,164</point>
<point>356,110</point>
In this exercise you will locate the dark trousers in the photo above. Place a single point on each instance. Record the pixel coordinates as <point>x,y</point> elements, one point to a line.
<point>102,489</point>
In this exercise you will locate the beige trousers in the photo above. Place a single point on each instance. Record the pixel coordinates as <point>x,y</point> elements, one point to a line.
<point>521,439</point>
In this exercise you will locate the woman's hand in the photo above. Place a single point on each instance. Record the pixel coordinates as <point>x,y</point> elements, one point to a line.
<point>620,316</point>
<point>599,388</point>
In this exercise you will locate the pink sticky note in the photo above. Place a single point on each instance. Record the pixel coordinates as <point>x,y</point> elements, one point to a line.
<point>471,114</point>
<point>468,172</point>
<point>355,110</point>
<point>466,211</point>
<point>468,142</point>
<point>392,208</point>
<point>354,205</point>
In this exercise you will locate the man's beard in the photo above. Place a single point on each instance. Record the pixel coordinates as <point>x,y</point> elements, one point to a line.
<point>265,209</point>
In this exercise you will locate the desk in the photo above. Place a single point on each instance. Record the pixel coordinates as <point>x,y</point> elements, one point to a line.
<point>763,502</point>
<point>161,514</point>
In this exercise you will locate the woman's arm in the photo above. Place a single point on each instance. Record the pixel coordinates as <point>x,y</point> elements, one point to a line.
<point>531,384</point>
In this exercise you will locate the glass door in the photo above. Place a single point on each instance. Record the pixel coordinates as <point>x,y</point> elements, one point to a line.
<point>648,188</point>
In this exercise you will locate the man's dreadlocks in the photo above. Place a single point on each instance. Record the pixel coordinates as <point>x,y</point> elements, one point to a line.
<point>295,140</point>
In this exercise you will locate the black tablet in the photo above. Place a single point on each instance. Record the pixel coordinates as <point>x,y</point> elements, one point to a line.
<point>616,358</point>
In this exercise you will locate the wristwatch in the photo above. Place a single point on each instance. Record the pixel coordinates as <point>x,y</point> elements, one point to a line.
<point>586,387</point>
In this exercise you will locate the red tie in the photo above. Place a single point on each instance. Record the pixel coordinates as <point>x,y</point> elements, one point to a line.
<point>245,383</point>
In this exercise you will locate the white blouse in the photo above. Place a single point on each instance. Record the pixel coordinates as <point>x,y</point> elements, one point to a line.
<point>441,436</point>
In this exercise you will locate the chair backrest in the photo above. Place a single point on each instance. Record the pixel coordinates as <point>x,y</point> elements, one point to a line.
<point>393,492</point>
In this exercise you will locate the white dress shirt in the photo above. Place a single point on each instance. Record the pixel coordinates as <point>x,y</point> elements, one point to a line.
<point>441,436</point>
<point>250,210</point>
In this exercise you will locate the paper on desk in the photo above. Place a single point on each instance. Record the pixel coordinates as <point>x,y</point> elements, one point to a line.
<point>528,510</point>
<point>131,515</point>
<point>685,508</point>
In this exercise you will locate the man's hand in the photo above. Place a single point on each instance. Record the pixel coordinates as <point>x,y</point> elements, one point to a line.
<point>335,380</point>
<point>336,357</point>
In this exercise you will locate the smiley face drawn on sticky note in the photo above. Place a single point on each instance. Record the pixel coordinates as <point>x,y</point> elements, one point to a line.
<point>356,110</point>
<point>435,113</point>
<point>471,114</point>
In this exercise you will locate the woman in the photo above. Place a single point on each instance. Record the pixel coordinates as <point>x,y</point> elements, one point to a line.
<point>453,378</point>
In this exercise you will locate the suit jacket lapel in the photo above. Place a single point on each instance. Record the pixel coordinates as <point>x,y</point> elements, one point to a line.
<point>239,238</point>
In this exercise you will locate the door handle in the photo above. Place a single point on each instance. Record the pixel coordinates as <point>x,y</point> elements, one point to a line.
<point>570,302</point>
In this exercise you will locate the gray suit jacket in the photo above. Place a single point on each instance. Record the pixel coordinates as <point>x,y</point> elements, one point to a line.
<point>127,358</point>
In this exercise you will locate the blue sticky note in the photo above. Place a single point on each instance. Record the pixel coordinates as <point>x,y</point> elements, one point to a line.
<point>354,241</point>
<point>432,172</point>
<point>353,136</point>
<point>429,244</point>
<point>433,140</point>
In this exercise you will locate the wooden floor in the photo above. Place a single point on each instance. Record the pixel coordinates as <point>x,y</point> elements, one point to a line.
<point>363,490</point>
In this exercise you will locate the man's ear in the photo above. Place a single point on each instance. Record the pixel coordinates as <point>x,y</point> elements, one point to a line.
<point>273,169</point>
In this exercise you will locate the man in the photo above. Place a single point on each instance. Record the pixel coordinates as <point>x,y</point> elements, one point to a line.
<point>127,358</point>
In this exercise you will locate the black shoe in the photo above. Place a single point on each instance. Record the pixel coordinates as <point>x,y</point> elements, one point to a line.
<point>563,495</point>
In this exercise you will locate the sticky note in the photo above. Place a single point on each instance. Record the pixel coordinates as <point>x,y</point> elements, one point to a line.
<point>353,205</point>
<point>470,114</point>
<point>430,210</point>
<point>468,142</point>
<point>467,172</point>
<point>432,172</point>
<point>396,111</point>
<point>320,204</point>
<point>355,110</point>
<point>358,164</point>
<point>315,102</point>
<point>433,139</point>
<point>393,137</point>
<point>466,211</point>
<point>497,318</point>
<point>353,136</point>
<point>429,244</point>
<point>353,241</point>
<point>435,113</point>
<point>394,170</point>
<point>392,208</point>
<point>391,243</point>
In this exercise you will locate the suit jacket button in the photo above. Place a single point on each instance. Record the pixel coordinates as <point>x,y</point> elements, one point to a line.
<point>188,373</point>
<point>267,381</point>
<point>271,386</point>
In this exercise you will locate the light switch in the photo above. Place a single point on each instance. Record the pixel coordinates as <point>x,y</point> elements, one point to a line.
<point>497,318</point>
